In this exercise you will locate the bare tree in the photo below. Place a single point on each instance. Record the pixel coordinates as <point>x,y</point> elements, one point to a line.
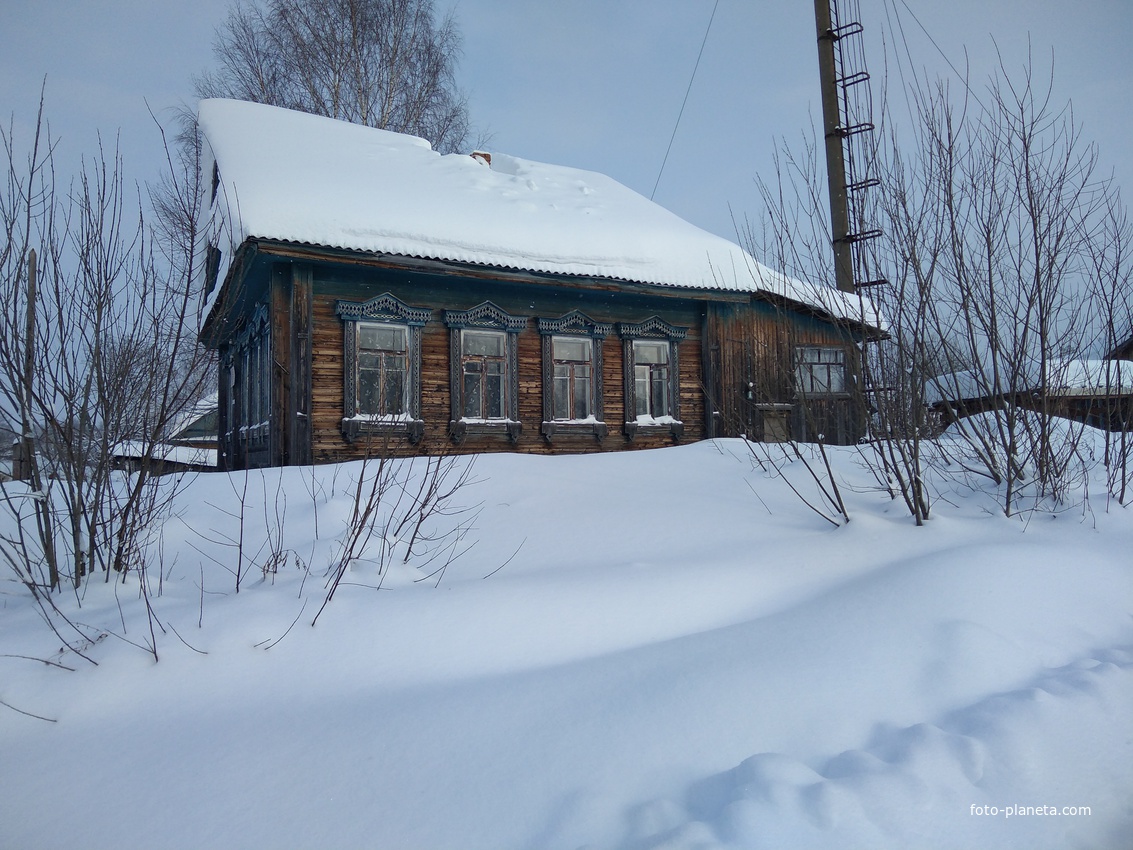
<point>1006,253</point>
<point>97,353</point>
<point>1019,210</point>
<point>1111,297</point>
<point>383,63</point>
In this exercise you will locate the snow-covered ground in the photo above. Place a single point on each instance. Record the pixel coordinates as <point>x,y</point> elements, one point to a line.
<point>663,649</point>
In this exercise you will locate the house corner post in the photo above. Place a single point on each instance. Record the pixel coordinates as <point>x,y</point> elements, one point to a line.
<point>300,428</point>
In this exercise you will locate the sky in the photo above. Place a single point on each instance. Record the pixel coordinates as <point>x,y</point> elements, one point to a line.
<point>588,83</point>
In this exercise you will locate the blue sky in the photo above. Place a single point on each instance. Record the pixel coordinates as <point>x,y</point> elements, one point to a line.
<point>589,83</point>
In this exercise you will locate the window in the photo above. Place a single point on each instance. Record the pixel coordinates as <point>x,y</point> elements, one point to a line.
<point>572,375</point>
<point>652,376</point>
<point>483,363</point>
<point>383,363</point>
<point>382,368</point>
<point>484,353</point>
<point>820,370</point>
<point>251,383</point>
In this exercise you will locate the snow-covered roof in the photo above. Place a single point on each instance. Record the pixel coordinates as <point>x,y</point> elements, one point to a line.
<point>1065,377</point>
<point>292,176</point>
<point>194,412</point>
<point>186,455</point>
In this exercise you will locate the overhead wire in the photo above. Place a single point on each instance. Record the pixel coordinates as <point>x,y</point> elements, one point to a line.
<point>703,42</point>
<point>962,77</point>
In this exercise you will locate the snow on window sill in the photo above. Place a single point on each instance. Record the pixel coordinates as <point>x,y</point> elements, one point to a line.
<point>253,434</point>
<point>655,425</point>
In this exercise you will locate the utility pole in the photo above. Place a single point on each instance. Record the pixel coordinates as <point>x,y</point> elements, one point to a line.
<point>44,523</point>
<point>834,133</point>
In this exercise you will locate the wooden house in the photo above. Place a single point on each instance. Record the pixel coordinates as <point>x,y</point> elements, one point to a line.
<point>366,294</point>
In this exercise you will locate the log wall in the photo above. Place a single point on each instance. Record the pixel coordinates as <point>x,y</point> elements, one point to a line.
<point>736,360</point>
<point>327,368</point>
<point>751,374</point>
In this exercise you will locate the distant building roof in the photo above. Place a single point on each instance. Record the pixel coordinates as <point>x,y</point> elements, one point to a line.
<point>291,176</point>
<point>1065,377</point>
<point>195,422</point>
<point>163,453</point>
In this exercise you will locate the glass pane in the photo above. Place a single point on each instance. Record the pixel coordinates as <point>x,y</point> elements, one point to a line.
<point>381,337</point>
<point>482,343</point>
<point>641,390</point>
<point>471,394</point>
<point>562,394</point>
<point>393,402</point>
<point>582,393</point>
<point>494,396</point>
<point>368,393</point>
<point>821,370</point>
<point>648,351</point>
<point>660,401</point>
<point>571,348</point>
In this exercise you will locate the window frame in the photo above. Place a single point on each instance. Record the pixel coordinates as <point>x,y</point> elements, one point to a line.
<point>653,329</point>
<point>574,326</point>
<point>804,371</point>
<point>484,317</point>
<point>386,357</point>
<point>384,309</point>
<point>484,362</point>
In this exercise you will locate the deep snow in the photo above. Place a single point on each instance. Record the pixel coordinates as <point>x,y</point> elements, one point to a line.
<point>669,650</point>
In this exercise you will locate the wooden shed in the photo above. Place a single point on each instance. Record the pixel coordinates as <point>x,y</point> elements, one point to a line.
<point>366,294</point>
<point>1098,392</point>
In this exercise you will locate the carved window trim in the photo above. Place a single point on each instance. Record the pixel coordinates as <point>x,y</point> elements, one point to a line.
<point>381,309</point>
<point>229,382</point>
<point>251,360</point>
<point>578,325</point>
<point>484,317</point>
<point>653,328</point>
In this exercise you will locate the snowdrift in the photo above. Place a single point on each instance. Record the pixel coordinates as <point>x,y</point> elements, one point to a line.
<point>685,656</point>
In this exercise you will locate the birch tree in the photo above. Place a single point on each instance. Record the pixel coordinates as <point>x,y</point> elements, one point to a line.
<point>388,64</point>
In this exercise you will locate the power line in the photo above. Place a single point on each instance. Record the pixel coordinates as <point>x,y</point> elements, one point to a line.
<point>683,102</point>
<point>963,78</point>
